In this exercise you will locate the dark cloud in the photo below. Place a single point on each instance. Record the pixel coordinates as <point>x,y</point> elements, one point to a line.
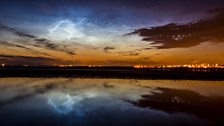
<point>129,53</point>
<point>144,49</point>
<point>147,48</point>
<point>16,32</point>
<point>108,48</point>
<point>38,42</point>
<point>3,43</point>
<point>45,43</point>
<point>28,60</point>
<point>7,44</point>
<point>185,35</point>
<point>42,42</point>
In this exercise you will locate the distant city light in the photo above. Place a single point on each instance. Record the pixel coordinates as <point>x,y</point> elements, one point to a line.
<point>181,66</point>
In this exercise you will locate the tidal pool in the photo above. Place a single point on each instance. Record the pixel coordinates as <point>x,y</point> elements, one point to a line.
<point>105,102</point>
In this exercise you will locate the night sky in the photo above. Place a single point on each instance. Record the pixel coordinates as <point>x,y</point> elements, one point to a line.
<point>111,32</point>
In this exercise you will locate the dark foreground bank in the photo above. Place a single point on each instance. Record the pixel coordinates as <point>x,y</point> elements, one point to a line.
<point>115,72</point>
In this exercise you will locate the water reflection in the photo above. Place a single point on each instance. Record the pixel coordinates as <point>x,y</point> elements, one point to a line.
<point>66,101</point>
<point>185,101</point>
<point>63,103</point>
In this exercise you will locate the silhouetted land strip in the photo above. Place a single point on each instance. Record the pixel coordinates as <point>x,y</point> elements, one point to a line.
<point>115,72</point>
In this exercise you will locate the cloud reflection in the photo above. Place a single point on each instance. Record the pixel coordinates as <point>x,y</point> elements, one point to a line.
<point>105,100</point>
<point>62,103</point>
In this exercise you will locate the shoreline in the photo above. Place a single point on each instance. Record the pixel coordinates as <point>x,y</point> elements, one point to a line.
<point>212,74</point>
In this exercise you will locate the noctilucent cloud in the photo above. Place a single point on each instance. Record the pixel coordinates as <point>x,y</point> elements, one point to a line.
<point>118,32</point>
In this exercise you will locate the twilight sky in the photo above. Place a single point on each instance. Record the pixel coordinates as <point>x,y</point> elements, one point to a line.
<point>111,32</point>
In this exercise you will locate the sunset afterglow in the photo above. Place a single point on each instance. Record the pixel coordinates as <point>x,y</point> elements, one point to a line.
<point>114,33</point>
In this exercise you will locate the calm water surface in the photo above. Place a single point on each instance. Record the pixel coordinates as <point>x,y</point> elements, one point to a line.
<point>105,102</point>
